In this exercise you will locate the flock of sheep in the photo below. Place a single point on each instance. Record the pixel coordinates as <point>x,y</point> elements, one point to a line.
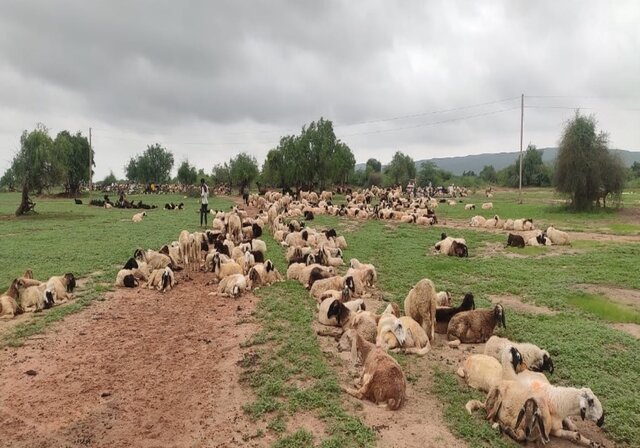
<point>520,400</point>
<point>27,294</point>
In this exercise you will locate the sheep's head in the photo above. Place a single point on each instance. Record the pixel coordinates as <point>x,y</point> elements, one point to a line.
<point>138,254</point>
<point>590,407</point>
<point>50,298</point>
<point>346,294</point>
<point>498,314</point>
<point>547,362</point>
<point>269,265</point>
<point>531,417</point>
<point>350,284</point>
<point>70,280</point>
<point>337,310</point>
<point>516,359</point>
<point>129,281</point>
<point>235,292</point>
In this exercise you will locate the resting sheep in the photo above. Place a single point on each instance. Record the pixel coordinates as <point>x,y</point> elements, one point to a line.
<point>9,307</point>
<point>557,237</point>
<point>63,286</point>
<point>533,356</point>
<point>487,206</point>
<point>35,298</point>
<point>471,327</point>
<point>483,372</point>
<point>336,318</point>
<point>138,216</point>
<point>515,241</point>
<point>320,286</point>
<point>233,285</point>
<point>420,304</point>
<point>445,313</point>
<point>125,278</point>
<point>382,378</point>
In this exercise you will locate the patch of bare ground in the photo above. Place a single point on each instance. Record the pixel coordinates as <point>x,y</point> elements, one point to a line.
<point>623,296</point>
<point>632,329</point>
<point>140,369</point>
<point>514,303</point>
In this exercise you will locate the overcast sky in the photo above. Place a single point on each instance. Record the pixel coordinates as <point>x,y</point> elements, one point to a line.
<point>211,79</point>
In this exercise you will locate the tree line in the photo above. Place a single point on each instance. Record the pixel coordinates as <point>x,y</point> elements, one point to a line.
<point>585,170</point>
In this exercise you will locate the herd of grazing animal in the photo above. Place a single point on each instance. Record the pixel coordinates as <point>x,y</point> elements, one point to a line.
<point>520,399</point>
<point>26,294</point>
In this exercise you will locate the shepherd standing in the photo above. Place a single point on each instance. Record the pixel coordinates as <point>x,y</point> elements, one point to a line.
<point>204,202</point>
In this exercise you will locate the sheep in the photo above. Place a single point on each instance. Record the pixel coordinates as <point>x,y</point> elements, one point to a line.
<point>155,260</point>
<point>323,310</point>
<point>186,249</point>
<point>234,227</point>
<point>478,221</point>
<point>320,286</point>
<point>382,380</point>
<point>63,286</point>
<point>233,285</point>
<point>9,307</point>
<point>425,221</point>
<point>491,223</point>
<point>317,273</point>
<point>263,274</point>
<point>487,206</point>
<point>483,372</point>
<point>138,217</point>
<point>370,275</point>
<point>515,241</point>
<point>510,404</point>
<point>125,278</point>
<point>222,270</point>
<point>443,299</point>
<point>445,313</point>
<point>35,298</point>
<point>364,322</point>
<point>413,339</point>
<point>505,403</point>
<point>557,237</point>
<point>343,295</point>
<point>533,356</point>
<point>523,224</point>
<point>309,273</point>
<point>162,279</point>
<point>475,326</point>
<point>452,246</point>
<point>420,305</point>
<point>508,224</point>
<point>470,207</point>
<point>331,261</point>
<point>258,245</point>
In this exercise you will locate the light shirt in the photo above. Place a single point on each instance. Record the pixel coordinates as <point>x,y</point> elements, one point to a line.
<point>204,194</point>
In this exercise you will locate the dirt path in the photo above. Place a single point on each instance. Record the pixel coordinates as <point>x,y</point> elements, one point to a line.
<point>141,368</point>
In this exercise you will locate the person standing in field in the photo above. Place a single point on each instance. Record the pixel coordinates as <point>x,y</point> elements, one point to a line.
<point>204,202</point>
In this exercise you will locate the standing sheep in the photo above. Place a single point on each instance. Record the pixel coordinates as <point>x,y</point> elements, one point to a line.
<point>420,304</point>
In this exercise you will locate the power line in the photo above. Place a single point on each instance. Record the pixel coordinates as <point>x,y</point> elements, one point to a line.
<point>631,109</point>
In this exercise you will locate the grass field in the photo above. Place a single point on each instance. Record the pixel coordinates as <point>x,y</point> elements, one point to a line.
<point>587,351</point>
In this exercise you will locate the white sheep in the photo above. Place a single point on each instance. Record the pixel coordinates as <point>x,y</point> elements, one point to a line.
<point>9,307</point>
<point>533,356</point>
<point>487,206</point>
<point>557,237</point>
<point>233,285</point>
<point>323,309</point>
<point>483,372</point>
<point>470,207</point>
<point>138,216</point>
<point>126,278</point>
<point>478,221</point>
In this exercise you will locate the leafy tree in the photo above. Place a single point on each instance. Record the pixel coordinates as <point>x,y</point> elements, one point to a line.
<point>430,173</point>
<point>635,169</point>
<point>34,166</point>
<point>343,163</point>
<point>374,178</point>
<point>243,170</point>
<point>488,174</point>
<point>221,174</point>
<point>8,180</point>
<point>373,165</point>
<point>110,179</point>
<point>187,174</point>
<point>584,163</point>
<point>534,171</point>
<point>73,153</point>
<point>154,165</point>
<point>401,169</point>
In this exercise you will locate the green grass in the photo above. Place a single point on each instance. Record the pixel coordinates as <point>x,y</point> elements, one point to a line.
<point>603,308</point>
<point>586,350</point>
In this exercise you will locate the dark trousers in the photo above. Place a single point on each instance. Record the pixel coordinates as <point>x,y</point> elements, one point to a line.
<point>203,213</point>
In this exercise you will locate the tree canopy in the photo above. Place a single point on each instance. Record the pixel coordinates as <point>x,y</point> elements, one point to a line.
<point>72,153</point>
<point>585,169</point>
<point>154,165</point>
<point>110,179</point>
<point>401,169</point>
<point>373,165</point>
<point>187,174</point>
<point>243,170</point>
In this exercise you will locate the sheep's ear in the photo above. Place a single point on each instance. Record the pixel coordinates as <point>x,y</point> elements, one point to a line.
<point>520,417</point>
<point>541,428</point>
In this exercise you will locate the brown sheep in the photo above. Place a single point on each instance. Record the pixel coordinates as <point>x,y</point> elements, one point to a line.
<point>476,326</point>
<point>420,304</point>
<point>382,380</point>
<point>9,307</point>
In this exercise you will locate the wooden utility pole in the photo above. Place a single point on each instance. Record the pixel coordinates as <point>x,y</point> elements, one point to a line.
<point>90,165</point>
<point>521,130</point>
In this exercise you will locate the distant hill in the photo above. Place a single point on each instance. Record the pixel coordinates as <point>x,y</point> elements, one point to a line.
<point>457,165</point>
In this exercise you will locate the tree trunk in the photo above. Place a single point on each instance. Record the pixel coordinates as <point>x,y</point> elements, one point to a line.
<point>24,206</point>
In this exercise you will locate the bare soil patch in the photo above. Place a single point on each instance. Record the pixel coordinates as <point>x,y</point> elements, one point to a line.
<point>514,303</point>
<point>140,369</point>
<point>623,296</point>
<point>632,329</point>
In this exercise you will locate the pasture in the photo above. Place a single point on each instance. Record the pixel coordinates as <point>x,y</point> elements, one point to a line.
<point>580,302</point>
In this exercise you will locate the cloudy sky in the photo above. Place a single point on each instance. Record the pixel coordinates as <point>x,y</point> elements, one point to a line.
<point>211,79</point>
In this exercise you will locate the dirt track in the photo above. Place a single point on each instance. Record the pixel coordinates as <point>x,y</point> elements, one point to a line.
<point>140,369</point>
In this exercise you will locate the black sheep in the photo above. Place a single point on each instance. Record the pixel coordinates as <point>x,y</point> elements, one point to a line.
<point>515,241</point>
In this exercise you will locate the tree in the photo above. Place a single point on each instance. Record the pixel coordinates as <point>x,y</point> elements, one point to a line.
<point>373,165</point>
<point>33,167</point>
<point>187,174</point>
<point>73,153</point>
<point>110,179</point>
<point>221,175</point>
<point>243,170</point>
<point>488,174</point>
<point>401,169</point>
<point>154,165</point>
<point>8,180</point>
<point>635,169</point>
<point>534,171</point>
<point>584,163</point>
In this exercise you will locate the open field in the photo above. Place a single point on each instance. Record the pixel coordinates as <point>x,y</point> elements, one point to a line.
<point>570,300</point>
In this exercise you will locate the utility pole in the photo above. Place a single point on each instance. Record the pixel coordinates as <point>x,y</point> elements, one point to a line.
<point>90,165</point>
<point>521,129</point>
